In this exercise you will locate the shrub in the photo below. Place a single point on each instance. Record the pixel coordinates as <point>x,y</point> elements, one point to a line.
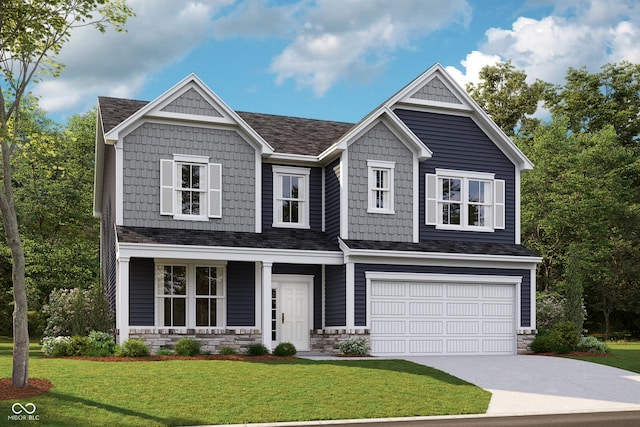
<point>228,351</point>
<point>163,352</point>
<point>134,348</point>
<point>55,346</point>
<point>354,346</point>
<point>187,347</point>
<point>566,336</point>
<point>543,344</point>
<point>592,345</point>
<point>285,349</point>
<point>76,311</point>
<point>78,346</point>
<point>257,349</point>
<point>101,344</point>
<point>550,309</point>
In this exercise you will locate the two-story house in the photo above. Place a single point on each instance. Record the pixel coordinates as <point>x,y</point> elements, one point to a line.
<point>236,228</point>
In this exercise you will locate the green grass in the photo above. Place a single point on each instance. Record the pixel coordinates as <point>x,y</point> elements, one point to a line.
<point>626,355</point>
<point>180,392</point>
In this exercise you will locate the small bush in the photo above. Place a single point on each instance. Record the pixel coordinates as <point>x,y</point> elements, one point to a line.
<point>101,344</point>
<point>163,352</point>
<point>78,346</point>
<point>187,347</point>
<point>134,348</point>
<point>565,335</point>
<point>257,349</point>
<point>592,345</point>
<point>354,346</point>
<point>285,349</point>
<point>543,344</point>
<point>227,351</point>
<point>55,346</point>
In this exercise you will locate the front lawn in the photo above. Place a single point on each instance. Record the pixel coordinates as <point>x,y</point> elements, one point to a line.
<point>626,355</point>
<point>190,392</point>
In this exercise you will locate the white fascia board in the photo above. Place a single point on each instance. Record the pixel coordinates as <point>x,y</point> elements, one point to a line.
<point>210,253</point>
<point>294,159</point>
<point>444,277</point>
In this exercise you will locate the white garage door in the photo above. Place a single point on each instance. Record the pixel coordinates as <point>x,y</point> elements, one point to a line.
<point>426,318</point>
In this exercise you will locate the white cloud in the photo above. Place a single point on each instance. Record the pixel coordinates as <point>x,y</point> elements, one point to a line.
<point>473,63</point>
<point>357,38</point>
<point>115,64</point>
<point>578,33</point>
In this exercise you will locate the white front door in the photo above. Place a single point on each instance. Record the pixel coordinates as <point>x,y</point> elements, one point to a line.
<point>292,314</point>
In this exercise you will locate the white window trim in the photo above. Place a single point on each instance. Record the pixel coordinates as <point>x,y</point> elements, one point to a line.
<point>190,306</point>
<point>465,177</point>
<point>303,203</point>
<point>372,167</point>
<point>211,198</point>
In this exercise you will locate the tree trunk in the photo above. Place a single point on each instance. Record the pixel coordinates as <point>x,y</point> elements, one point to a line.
<point>20,374</point>
<point>606,313</point>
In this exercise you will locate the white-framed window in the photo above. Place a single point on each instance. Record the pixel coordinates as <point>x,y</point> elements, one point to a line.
<point>380,186</point>
<point>189,295</point>
<point>461,200</point>
<point>190,188</point>
<point>291,196</point>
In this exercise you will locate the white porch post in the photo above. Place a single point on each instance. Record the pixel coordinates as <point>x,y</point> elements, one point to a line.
<point>122,299</point>
<point>267,268</point>
<point>351,295</point>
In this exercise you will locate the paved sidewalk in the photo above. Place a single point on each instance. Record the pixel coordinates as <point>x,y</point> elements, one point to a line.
<point>543,384</point>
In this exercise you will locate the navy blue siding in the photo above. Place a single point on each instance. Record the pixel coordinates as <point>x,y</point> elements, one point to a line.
<point>361,296</point>
<point>332,199</point>
<point>141,292</point>
<point>335,292</point>
<point>308,270</point>
<point>315,197</point>
<point>241,294</point>
<point>458,143</point>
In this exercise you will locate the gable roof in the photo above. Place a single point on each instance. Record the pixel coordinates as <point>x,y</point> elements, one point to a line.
<point>290,135</point>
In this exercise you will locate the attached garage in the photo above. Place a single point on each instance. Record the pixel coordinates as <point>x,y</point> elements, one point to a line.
<point>428,314</point>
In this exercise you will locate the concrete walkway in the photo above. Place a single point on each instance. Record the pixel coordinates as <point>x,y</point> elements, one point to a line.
<point>542,384</point>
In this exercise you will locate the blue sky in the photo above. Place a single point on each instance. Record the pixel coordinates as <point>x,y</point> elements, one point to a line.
<point>332,59</point>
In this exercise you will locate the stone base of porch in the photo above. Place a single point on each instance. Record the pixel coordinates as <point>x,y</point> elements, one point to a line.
<point>211,340</point>
<point>525,338</point>
<point>328,340</point>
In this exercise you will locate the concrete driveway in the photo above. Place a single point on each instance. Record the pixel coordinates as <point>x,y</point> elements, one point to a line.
<point>542,384</point>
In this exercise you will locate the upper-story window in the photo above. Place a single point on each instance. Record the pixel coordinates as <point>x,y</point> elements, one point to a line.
<point>380,186</point>
<point>460,200</point>
<point>290,197</point>
<point>190,188</point>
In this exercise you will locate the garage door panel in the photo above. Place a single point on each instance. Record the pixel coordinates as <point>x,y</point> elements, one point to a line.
<point>425,308</point>
<point>463,309</point>
<point>463,291</point>
<point>421,290</point>
<point>442,318</point>
<point>463,328</point>
<point>426,327</point>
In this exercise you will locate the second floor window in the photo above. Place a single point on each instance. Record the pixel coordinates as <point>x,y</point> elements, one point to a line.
<point>190,188</point>
<point>462,200</point>
<point>380,186</point>
<point>290,197</point>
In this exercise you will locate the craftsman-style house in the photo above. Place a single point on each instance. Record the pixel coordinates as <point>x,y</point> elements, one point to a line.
<point>236,228</point>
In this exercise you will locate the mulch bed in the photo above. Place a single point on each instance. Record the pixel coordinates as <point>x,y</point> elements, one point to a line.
<point>36,387</point>
<point>574,354</point>
<point>156,358</point>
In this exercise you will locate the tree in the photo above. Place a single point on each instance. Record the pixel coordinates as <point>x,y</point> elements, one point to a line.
<point>505,95</point>
<point>32,33</point>
<point>593,101</point>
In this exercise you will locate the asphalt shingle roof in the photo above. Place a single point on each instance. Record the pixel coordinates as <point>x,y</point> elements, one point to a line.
<point>283,238</point>
<point>444,246</point>
<point>291,135</point>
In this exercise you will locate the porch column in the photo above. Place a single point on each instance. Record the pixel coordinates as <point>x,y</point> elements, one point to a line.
<point>267,268</point>
<point>122,299</point>
<point>350,299</point>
